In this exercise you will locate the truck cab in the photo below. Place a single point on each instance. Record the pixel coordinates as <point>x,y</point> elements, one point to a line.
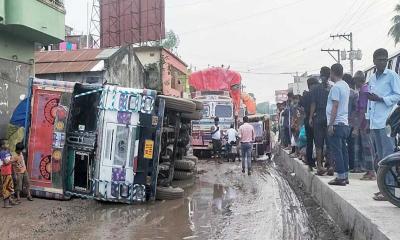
<point>216,104</point>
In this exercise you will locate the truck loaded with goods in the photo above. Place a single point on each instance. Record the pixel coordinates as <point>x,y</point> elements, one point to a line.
<point>220,92</point>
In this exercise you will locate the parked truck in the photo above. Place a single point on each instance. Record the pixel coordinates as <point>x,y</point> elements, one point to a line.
<point>219,90</point>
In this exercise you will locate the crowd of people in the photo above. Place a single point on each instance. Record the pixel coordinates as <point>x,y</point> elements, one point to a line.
<point>338,125</point>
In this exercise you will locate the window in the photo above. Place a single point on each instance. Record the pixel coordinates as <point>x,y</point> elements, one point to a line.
<point>120,145</point>
<point>206,111</point>
<point>223,111</point>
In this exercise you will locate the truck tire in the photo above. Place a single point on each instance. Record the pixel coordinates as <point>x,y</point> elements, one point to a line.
<point>182,175</point>
<point>183,183</point>
<point>193,116</point>
<point>169,193</point>
<point>179,104</point>
<point>191,158</point>
<point>199,105</point>
<point>185,165</point>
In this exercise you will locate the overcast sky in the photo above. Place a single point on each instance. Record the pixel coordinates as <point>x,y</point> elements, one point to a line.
<point>262,38</point>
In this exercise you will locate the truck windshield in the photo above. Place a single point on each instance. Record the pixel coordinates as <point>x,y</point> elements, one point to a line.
<point>223,111</point>
<point>206,111</point>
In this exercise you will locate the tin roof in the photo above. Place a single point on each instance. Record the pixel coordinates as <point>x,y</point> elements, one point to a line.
<point>82,60</point>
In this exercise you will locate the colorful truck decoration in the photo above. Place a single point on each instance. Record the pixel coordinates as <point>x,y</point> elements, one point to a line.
<point>93,141</point>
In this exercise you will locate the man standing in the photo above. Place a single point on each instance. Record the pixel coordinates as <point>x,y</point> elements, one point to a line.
<point>384,93</point>
<point>287,115</point>
<point>232,134</point>
<point>306,104</point>
<point>247,137</point>
<point>317,118</point>
<point>363,145</point>
<point>338,121</point>
<point>354,166</point>
<point>216,139</point>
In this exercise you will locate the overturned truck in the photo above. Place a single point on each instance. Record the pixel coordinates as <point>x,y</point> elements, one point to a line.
<point>107,142</point>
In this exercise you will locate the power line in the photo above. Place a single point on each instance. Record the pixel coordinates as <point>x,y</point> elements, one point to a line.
<point>243,18</point>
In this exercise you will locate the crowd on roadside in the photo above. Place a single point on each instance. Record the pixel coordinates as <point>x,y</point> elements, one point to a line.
<point>338,125</point>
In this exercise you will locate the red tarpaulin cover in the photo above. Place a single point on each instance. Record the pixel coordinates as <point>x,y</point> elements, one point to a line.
<point>218,79</point>
<point>250,103</point>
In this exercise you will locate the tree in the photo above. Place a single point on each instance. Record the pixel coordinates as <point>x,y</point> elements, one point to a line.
<point>170,42</point>
<point>394,31</point>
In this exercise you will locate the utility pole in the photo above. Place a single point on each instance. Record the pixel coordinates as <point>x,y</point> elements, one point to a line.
<point>348,37</point>
<point>330,53</point>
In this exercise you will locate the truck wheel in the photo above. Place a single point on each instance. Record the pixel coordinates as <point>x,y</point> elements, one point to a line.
<point>199,105</point>
<point>193,116</point>
<point>191,158</point>
<point>185,165</point>
<point>182,175</point>
<point>183,183</point>
<point>169,193</point>
<point>179,104</point>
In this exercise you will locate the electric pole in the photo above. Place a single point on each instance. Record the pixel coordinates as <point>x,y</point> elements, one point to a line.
<point>337,51</point>
<point>348,37</point>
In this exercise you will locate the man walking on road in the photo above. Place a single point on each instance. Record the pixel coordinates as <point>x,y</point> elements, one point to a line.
<point>384,93</point>
<point>338,121</point>
<point>247,137</point>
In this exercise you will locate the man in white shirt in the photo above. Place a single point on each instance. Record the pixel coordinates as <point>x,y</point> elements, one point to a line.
<point>232,138</point>
<point>216,138</point>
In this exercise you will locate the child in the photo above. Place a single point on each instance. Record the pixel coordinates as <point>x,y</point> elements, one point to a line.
<point>20,171</point>
<point>6,171</point>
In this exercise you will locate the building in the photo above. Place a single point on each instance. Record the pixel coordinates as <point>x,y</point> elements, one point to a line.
<point>22,24</point>
<point>95,66</point>
<point>136,67</point>
<point>161,64</point>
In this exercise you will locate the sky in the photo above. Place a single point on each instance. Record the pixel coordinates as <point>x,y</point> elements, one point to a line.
<point>268,41</point>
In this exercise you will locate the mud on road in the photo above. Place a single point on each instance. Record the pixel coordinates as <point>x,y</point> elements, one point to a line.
<point>223,204</point>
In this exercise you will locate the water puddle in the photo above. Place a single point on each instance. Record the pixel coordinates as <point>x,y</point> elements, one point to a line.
<point>224,204</point>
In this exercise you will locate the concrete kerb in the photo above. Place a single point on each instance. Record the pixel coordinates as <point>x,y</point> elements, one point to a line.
<point>344,211</point>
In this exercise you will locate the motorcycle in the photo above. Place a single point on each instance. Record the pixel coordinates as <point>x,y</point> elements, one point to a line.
<point>388,176</point>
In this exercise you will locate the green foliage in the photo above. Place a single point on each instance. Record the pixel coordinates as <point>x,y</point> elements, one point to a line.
<point>263,108</point>
<point>394,31</point>
<point>171,41</point>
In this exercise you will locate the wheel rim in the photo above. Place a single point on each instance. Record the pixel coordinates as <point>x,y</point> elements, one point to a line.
<point>390,182</point>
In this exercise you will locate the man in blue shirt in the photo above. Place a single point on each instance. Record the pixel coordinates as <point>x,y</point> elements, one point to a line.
<point>337,108</point>
<point>384,93</point>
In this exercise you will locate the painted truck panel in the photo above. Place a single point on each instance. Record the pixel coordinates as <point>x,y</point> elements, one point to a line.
<point>50,101</point>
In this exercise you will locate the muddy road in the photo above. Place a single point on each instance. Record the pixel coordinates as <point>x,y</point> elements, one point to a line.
<point>223,204</point>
